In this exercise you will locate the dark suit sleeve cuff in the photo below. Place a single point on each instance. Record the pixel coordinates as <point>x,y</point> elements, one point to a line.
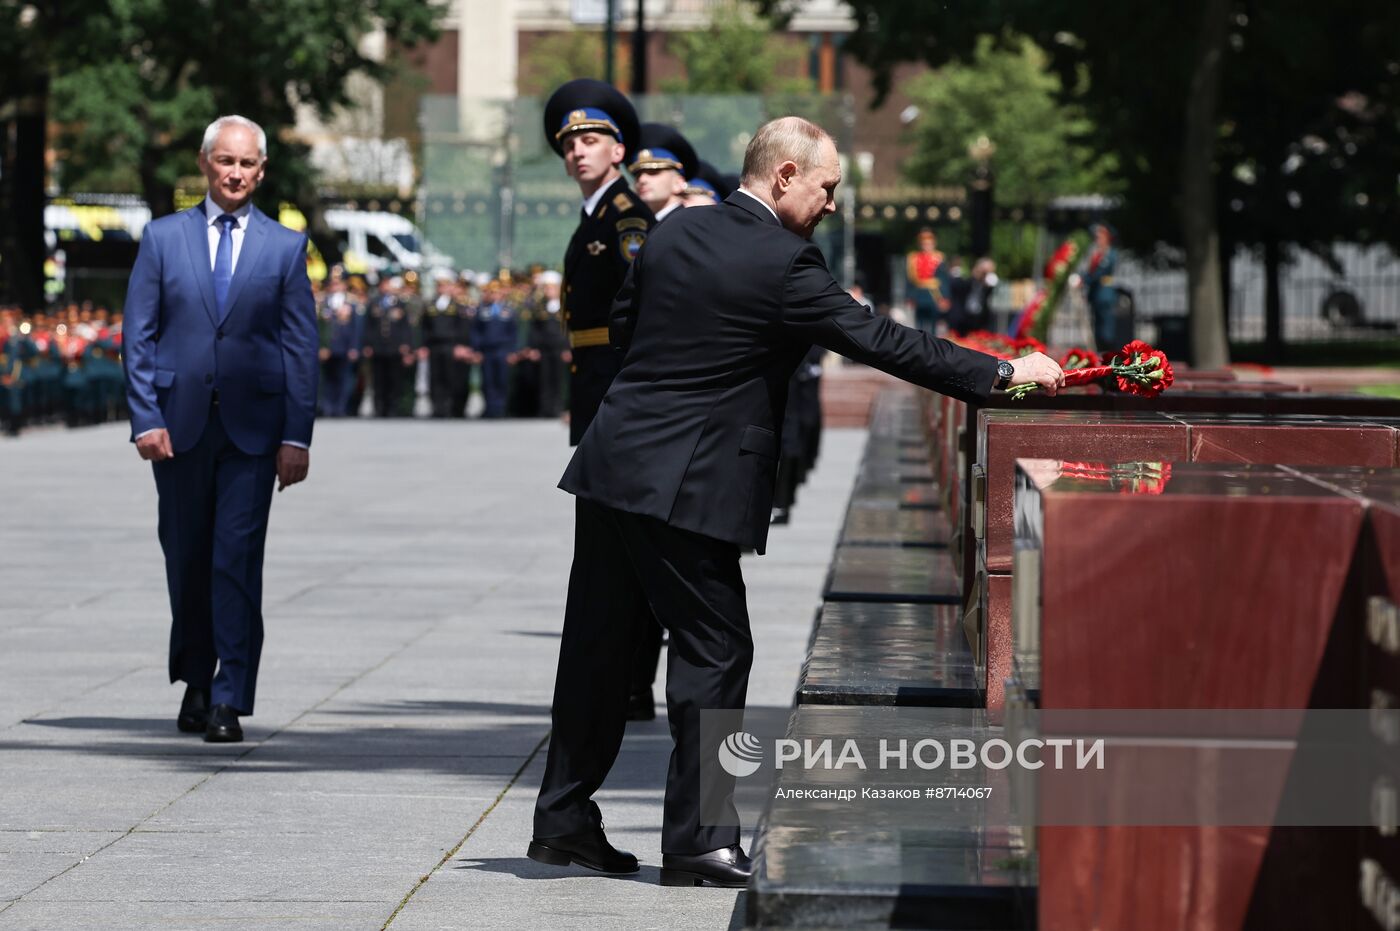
<point>981,372</point>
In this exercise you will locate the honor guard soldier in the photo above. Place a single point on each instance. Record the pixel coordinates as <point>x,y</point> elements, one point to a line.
<point>707,187</point>
<point>592,126</point>
<point>661,167</point>
<point>1102,295</point>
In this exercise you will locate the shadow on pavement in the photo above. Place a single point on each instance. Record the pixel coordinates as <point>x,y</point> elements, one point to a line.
<point>525,868</point>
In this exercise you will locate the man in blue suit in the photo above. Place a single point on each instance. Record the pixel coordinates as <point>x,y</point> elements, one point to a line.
<point>221,371</point>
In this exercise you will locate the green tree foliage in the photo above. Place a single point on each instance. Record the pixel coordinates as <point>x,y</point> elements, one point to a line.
<point>562,56</point>
<point>1224,115</point>
<point>136,81</point>
<point>738,52</point>
<point>1005,93</point>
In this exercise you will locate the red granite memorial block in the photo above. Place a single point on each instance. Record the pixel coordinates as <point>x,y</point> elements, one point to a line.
<point>1189,586</point>
<point>1005,436</point>
<point>999,645</point>
<point>1289,439</point>
<point>1147,878</point>
<point>1376,872</point>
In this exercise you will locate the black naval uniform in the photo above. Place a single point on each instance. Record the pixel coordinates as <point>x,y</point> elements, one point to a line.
<point>599,254</point>
<point>387,332</point>
<point>441,336</point>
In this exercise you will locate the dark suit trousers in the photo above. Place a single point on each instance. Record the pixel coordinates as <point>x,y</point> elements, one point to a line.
<point>214,503</point>
<point>696,590</point>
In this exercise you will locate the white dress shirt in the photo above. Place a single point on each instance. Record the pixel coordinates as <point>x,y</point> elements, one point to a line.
<point>591,204</point>
<point>668,210</point>
<point>212,212</point>
<point>749,193</point>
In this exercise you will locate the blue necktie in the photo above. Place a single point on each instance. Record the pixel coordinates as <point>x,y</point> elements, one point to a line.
<point>223,261</point>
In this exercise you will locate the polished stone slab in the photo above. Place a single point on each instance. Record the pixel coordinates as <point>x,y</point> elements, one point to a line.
<point>890,574</point>
<point>885,526</point>
<point>1003,436</point>
<point>1289,439</point>
<point>953,865</point>
<point>889,654</point>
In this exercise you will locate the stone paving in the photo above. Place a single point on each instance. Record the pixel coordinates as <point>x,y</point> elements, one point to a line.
<point>414,593</point>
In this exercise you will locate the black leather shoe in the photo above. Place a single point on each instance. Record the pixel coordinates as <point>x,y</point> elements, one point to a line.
<point>780,516</point>
<point>223,726</point>
<point>588,848</point>
<point>727,867</point>
<point>194,711</point>
<point>640,706</point>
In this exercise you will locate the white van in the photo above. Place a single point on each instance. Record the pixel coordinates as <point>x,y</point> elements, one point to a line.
<point>373,241</point>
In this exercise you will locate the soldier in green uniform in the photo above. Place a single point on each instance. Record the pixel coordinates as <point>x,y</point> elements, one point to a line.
<point>592,127</point>
<point>11,385</point>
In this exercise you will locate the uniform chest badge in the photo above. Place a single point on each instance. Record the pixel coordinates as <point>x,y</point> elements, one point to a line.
<point>631,243</point>
<point>596,248</point>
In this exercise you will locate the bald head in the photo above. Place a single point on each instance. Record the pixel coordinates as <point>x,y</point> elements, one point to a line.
<point>786,139</point>
<point>791,164</point>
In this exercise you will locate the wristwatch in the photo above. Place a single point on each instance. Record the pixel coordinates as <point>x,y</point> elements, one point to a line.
<point>1004,373</point>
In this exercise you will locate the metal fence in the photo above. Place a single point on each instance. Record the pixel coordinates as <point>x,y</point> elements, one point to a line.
<point>1358,303</point>
<point>494,194</point>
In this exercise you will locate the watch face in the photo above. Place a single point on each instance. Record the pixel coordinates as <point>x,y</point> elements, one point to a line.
<point>1005,369</point>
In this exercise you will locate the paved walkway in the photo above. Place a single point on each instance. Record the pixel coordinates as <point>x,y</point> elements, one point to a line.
<point>415,587</point>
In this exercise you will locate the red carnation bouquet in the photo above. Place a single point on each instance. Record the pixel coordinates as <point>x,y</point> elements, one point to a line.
<point>1000,345</point>
<point>1036,316</point>
<point>1137,368</point>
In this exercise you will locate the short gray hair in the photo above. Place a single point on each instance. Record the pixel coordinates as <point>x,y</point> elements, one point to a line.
<point>788,138</point>
<point>211,133</point>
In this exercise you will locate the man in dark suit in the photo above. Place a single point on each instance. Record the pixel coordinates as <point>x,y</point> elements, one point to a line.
<point>675,477</point>
<point>220,348</point>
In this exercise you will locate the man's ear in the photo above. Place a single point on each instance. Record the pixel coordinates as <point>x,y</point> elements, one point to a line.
<point>619,153</point>
<point>786,171</point>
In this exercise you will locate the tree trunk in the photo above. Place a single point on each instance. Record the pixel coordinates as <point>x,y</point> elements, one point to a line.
<point>1210,346</point>
<point>1273,302</point>
<point>22,197</point>
<point>159,195</point>
<point>1227,287</point>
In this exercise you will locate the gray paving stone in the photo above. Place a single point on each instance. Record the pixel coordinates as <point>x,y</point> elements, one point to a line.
<point>414,592</point>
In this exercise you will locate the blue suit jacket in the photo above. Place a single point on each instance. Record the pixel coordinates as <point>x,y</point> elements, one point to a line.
<point>261,354</point>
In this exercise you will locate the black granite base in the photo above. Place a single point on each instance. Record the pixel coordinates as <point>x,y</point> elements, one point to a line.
<point>890,574</point>
<point>883,525</point>
<point>950,866</point>
<point>889,654</point>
